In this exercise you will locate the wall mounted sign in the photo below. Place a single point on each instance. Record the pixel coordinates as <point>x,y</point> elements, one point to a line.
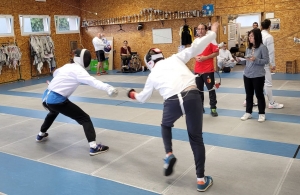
<point>208,10</point>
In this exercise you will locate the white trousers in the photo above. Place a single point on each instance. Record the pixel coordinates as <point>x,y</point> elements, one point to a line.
<point>230,64</point>
<point>268,84</point>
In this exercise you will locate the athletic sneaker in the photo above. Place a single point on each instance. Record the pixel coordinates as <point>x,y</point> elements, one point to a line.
<point>246,116</point>
<point>214,112</point>
<point>98,150</point>
<point>169,164</point>
<point>202,187</point>
<point>41,138</point>
<point>261,117</point>
<point>275,106</point>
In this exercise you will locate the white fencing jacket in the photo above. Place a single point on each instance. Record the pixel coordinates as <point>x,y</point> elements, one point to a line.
<point>98,44</point>
<point>268,41</point>
<point>171,76</point>
<point>224,54</point>
<point>68,77</point>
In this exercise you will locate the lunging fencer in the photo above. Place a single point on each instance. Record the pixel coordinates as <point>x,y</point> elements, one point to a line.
<point>176,84</point>
<point>65,81</point>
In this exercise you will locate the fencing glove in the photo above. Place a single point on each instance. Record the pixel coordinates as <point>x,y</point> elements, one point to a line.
<point>112,92</point>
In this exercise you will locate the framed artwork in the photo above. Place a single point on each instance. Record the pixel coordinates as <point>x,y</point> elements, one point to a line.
<point>275,25</point>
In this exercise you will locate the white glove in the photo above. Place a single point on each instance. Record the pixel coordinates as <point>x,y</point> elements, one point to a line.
<point>112,92</point>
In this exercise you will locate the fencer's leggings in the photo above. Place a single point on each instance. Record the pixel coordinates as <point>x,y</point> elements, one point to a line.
<point>71,110</point>
<point>194,120</point>
<point>209,80</point>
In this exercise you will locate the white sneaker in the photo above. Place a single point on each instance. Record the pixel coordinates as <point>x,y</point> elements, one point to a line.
<point>246,116</point>
<point>275,105</point>
<point>261,117</point>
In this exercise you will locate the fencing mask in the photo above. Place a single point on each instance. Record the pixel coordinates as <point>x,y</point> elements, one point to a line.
<point>82,57</point>
<point>153,56</point>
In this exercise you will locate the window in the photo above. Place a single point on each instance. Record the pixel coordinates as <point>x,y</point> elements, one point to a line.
<point>67,24</point>
<point>7,25</point>
<point>247,20</point>
<point>36,24</point>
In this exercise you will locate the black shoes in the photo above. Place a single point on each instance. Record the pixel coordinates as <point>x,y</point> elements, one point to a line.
<point>214,112</point>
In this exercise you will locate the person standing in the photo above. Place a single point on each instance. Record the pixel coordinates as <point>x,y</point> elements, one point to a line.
<point>255,25</point>
<point>204,68</point>
<point>176,84</point>
<point>65,81</point>
<point>268,41</point>
<point>99,48</point>
<point>257,56</point>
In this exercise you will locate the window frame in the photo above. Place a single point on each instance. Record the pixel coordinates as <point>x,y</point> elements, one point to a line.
<point>247,15</point>
<point>9,24</point>
<point>56,21</point>
<point>46,22</point>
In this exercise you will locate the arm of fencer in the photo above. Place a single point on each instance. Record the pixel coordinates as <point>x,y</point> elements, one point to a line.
<point>146,93</point>
<point>198,45</point>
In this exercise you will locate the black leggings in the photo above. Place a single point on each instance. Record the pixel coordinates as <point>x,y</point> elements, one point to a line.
<point>194,120</point>
<point>209,80</point>
<point>255,85</point>
<point>71,110</point>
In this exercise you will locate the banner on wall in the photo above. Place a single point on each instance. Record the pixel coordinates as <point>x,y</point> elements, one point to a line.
<point>208,10</point>
<point>275,25</point>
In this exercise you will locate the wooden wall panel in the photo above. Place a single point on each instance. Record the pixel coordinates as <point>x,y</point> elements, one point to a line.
<point>141,41</point>
<point>286,11</point>
<point>61,41</point>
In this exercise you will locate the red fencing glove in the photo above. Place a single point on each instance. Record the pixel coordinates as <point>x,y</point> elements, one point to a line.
<point>131,93</point>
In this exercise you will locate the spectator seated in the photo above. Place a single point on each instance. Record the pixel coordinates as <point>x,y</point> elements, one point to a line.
<point>225,60</point>
<point>134,63</point>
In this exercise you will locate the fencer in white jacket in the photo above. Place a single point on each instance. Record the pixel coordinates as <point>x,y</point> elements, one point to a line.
<point>176,84</point>
<point>65,81</point>
<point>268,41</point>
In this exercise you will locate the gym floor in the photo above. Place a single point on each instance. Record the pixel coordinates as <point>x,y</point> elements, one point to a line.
<point>243,157</point>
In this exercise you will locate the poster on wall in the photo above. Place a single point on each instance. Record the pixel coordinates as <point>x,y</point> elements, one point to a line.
<point>275,25</point>
<point>208,10</point>
<point>162,35</point>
